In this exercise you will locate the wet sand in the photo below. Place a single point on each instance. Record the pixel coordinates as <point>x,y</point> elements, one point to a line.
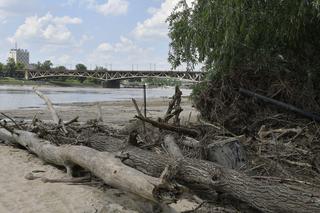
<point>18,194</point>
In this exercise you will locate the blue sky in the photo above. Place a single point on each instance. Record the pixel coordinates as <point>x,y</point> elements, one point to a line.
<point>93,32</point>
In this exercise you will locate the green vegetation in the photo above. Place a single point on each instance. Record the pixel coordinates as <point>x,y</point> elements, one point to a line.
<point>46,65</point>
<point>247,36</point>
<point>81,67</point>
<point>162,82</point>
<point>100,68</point>
<point>75,82</point>
<point>60,68</point>
<point>271,47</point>
<point>11,66</point>
<point>13,81</point>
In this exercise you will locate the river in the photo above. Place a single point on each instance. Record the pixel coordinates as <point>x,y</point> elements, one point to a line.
<point>19,97</point>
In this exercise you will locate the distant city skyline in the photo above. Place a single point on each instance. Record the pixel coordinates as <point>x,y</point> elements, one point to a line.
<point>110,33</point>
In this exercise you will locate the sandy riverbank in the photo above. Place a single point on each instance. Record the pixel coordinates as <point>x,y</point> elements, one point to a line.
<point>115,113</point>
<point>20,195</point>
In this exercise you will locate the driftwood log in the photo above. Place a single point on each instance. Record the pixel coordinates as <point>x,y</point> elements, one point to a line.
<point>104,165</point>
<point>174,108</point>
<point>142,172</point>
<point>228,153</point>
<point>54,113</point>
<point>204,178</point>
<point>280,104</point>
<point>172,147</point>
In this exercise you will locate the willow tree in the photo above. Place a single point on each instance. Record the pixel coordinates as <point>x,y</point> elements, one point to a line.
<point>244,35</point>
<point>270,46</point>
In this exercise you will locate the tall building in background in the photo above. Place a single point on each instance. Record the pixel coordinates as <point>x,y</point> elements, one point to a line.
<point>20,56</point>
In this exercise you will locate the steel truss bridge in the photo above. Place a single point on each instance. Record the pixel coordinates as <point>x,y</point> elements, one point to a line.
<point>114,75</point>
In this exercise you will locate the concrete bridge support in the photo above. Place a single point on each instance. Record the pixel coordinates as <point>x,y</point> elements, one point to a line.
<point>26,75</point>
<point>111,84</point>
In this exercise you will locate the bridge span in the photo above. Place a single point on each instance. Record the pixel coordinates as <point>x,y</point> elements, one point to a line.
<point>115,75</point>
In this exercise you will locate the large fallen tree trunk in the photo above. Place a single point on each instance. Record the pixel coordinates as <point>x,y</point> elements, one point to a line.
<point>205,178</point>
<point>104,165</point>
<point>201,176</point>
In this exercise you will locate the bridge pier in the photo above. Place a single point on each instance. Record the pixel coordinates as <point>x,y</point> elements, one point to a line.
<point>111,84</point>
<point>26,75</point>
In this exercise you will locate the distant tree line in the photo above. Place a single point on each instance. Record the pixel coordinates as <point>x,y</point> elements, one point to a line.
<point>11,66</point>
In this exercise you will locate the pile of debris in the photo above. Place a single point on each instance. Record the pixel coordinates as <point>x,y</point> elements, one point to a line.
<point>163,161</point>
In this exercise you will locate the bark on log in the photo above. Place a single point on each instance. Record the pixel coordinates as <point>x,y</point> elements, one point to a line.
<point>204,178</point>
<point>104,165</point>
<point>178,129</point>
<point>171,146</point>
<point>174,105</point>
<point>228,152</point>
<point>191,142</point>
<point>199,175</point>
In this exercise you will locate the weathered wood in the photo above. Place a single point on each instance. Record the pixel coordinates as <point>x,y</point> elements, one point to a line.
<point>99,112</point>
<point>190,142</point>
<point>202,177</point>
<point>178,129</point>
<point>174,104</point>
<point>74,120</point>
<point>281,104</point>
<point>171,147</point>
<point>104,165</point>
<point>11,119</point>
<point>52,110</point>
<point>205,178</point>
<point>228,152</point>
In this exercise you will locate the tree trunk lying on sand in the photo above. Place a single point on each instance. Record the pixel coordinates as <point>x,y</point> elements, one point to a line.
<point>200,176</point>
<point>104,165</point>
<point>204,177</point>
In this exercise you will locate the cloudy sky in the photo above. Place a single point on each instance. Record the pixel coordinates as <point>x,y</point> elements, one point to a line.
<point>93,32</point>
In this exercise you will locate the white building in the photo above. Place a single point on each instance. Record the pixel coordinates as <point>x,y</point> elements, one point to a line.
<point>20,56</point>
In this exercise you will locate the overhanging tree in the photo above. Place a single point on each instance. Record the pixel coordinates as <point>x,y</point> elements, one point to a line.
<point>244,35</point>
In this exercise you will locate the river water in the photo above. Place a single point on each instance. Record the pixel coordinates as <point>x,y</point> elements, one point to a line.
<point>19,97</point>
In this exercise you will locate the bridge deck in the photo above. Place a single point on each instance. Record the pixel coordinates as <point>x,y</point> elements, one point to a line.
<point>115,74</point>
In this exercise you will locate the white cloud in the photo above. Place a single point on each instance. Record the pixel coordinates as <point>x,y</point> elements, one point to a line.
<point>109,7</point>
<point>48,29</point>
<point>105,47</point>
<point>125,45</point>
<point>122,53</point>
<point>156,26</point>
<point>61,60</point>
<point>113,7</point>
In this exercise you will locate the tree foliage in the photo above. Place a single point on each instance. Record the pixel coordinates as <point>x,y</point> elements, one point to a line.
<point>243,35</point>
<point>100,68</point>
<point>60,68</point>
<point>46,65</point>
<point>81,67</point>
<point>20,66</point>
<point>11,65</point>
